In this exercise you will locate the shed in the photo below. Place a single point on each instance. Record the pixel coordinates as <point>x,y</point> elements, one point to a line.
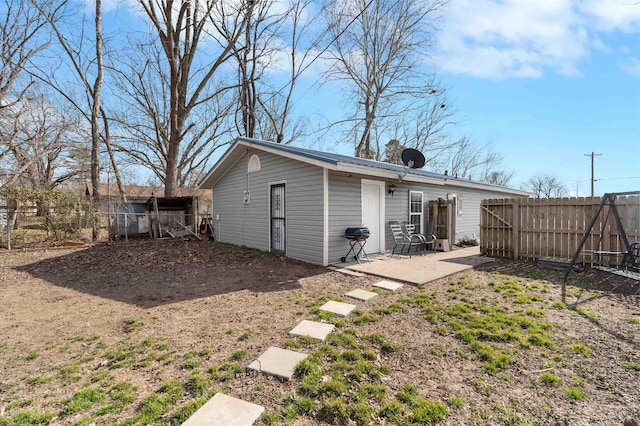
<point>299,201</point>
<point>137,216</point>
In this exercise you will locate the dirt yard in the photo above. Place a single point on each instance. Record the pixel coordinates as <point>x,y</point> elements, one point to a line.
<point>144,332</point>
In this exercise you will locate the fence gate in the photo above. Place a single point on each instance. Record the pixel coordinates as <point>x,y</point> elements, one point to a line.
<point>496,229</point>
<point>442,220</point>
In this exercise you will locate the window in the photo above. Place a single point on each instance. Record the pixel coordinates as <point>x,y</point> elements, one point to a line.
<point>416,210</point>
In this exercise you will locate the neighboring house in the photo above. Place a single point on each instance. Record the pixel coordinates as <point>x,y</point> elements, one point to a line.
<point>299,201</point>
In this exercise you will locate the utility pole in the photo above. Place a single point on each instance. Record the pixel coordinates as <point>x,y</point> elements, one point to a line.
<point>592,155</point>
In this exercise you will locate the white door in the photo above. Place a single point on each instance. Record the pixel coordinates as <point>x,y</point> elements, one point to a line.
<point>372,214</point>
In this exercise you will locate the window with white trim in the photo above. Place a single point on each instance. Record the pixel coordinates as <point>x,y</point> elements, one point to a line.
<point>416,210</point>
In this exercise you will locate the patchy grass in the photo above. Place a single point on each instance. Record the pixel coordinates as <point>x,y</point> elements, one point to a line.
<point>512,352</point>
<point>548,378</point>
<point>576,394</point>
<point>84,400</point>
<point>28,418</point>
<point>581,349</point>
<point>131,325</point>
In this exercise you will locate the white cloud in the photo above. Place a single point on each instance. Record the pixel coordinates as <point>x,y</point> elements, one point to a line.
<point>631,66</point>
<point>499,39</point>
<point>613,15</point>
<point>599,45</point>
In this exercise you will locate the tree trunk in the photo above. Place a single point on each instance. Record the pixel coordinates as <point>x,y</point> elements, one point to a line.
<point>95,115</point>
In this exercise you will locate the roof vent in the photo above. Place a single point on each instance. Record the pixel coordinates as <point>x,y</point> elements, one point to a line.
<point>254,164</point>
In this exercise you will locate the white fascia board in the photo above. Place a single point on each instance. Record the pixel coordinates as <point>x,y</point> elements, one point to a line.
<point>486,187</point>
<point>387,174</point>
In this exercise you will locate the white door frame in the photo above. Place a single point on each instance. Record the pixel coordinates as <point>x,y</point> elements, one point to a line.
<point>381,228</point>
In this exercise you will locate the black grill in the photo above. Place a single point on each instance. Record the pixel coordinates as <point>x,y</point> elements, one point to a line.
<point>357,236</point>
<point>357,233</point>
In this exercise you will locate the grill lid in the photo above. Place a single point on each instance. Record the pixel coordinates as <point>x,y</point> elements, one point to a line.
<point>358,231</point>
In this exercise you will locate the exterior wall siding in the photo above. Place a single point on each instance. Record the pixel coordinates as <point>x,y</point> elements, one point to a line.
<point>249,224</point>
<point>467,223</point>
<point>345,209</point>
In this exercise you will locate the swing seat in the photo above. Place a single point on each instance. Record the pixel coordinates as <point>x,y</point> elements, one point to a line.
<point>630,265</point>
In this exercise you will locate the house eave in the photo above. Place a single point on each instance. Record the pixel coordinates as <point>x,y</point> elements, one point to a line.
<point>234,154</point>
<point>386,174</point>
<point>487,187</point>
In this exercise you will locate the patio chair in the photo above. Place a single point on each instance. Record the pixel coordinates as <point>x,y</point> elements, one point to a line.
<point>401,238</point>
<point>425,242</point>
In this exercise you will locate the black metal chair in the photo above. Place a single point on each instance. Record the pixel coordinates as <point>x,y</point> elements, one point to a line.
<point>420,239</point>
<point>424,241</point>
<point>401,239</point>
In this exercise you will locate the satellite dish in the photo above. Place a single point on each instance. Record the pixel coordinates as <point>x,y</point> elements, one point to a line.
<point>413,158</point>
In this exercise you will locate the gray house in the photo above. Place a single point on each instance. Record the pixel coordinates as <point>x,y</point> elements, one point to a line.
<point>299,201</point>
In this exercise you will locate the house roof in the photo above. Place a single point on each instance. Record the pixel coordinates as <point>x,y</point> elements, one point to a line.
<point>344,163</point>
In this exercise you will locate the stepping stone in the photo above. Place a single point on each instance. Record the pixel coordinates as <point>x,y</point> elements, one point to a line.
<point>278,362</point>
<point>225,410</point>
<point>317,330</point>
<point>388,285</point>
<point>361,294</point>
<point>338,308</point>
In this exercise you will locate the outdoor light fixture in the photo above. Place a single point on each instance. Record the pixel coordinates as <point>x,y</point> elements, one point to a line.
<point>391,189</point>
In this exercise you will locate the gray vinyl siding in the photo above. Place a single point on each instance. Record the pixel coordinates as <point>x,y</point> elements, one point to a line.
<point>467,224</point>
<point>249,224</point>
<point>344,211</point>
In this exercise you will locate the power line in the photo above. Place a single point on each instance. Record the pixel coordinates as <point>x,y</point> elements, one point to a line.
<point>619,178</point>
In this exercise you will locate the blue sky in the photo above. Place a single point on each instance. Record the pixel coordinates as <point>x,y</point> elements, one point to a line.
<point>545,81</point>
<point>549,81</point>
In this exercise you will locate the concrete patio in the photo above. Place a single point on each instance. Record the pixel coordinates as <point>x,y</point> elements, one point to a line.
<point>421,269</point>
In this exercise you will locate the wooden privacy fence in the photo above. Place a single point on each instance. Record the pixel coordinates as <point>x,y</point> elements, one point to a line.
<point>531,228</point>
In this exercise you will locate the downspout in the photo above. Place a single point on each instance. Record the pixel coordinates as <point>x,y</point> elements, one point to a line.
<point>325,216</point>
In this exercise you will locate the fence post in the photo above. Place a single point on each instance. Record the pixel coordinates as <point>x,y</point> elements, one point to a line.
<point>515,229</point>
<point>9,229</point>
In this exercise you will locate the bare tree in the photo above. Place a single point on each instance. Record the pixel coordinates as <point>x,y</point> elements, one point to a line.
<point>43,143</point>
<point>545,186</point>
<point>181,26</point>
<point>87,64</point>
<point>145,89</point>
<point>265,107</point>
<point>255,50</point>
<point>425,126</point>
<point>22,35</point>
<point>378,49</point>
<point>469,160</point>
<point>393,151</point>
<point>500,178</point>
